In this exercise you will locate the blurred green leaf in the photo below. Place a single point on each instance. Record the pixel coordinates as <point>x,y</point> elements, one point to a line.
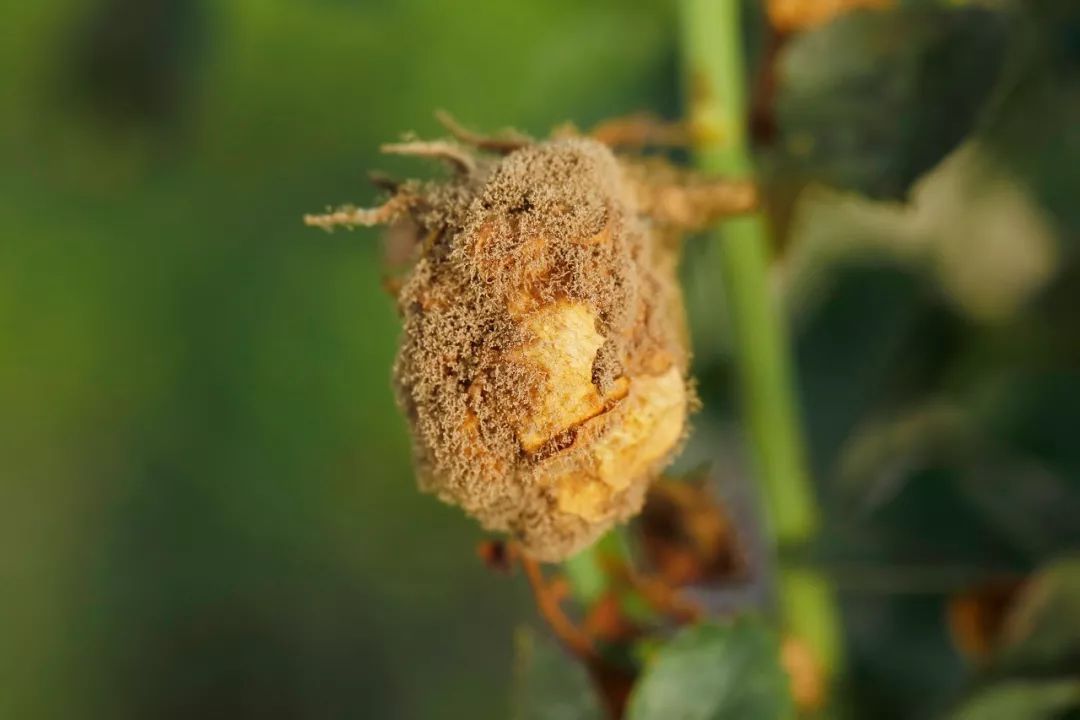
<point>1022,700</point>
<point>713,671</point>
<point>585,571</point>
<point>1038,520</point>
<point>1031,123</point>
<point>875,99</point>
<point>549,684</point>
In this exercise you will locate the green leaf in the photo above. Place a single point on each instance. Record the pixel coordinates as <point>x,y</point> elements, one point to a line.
<point>586,576</point>
<point>875,99</point>
<point>712,671</point>
<point>1022,699</point>
<point>1031,124</point>
<point>585,571</point>
<point>548,683</point>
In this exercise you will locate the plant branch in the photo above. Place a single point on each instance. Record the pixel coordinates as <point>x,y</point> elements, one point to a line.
<point>717,111</point>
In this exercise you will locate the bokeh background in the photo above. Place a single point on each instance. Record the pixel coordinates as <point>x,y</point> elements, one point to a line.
<point>206,502</point>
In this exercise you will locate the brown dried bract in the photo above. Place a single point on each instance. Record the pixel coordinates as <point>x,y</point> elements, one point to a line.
<point>543,365</point>
<point>977,616</point>
<point>687,535</point>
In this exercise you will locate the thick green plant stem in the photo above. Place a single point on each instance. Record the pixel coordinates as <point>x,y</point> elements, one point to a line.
<point>712,50</point>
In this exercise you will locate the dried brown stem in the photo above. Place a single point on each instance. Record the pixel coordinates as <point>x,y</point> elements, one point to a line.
<point>547,602</point>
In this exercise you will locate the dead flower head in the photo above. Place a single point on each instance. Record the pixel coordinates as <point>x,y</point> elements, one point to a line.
<point>543,363</point>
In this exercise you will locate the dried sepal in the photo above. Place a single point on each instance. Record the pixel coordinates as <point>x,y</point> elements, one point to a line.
<point>686,200</point>
<point>502,144</point>
<point>641,130</point>
<point>457,157</point>
<point>350,216</point>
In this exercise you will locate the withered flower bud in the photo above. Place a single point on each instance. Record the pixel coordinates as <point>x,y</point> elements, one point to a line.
<point>543,364</point>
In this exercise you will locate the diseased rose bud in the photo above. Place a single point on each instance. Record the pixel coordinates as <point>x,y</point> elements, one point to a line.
<point>543,363</point>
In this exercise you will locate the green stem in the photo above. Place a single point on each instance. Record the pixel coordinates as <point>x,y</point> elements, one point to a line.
<point>715,78</point>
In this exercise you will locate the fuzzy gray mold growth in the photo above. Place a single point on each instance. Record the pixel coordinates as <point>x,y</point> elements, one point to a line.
<point>543,363</point>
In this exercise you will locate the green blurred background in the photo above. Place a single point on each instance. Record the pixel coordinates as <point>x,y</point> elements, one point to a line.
<point>206,502</point>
